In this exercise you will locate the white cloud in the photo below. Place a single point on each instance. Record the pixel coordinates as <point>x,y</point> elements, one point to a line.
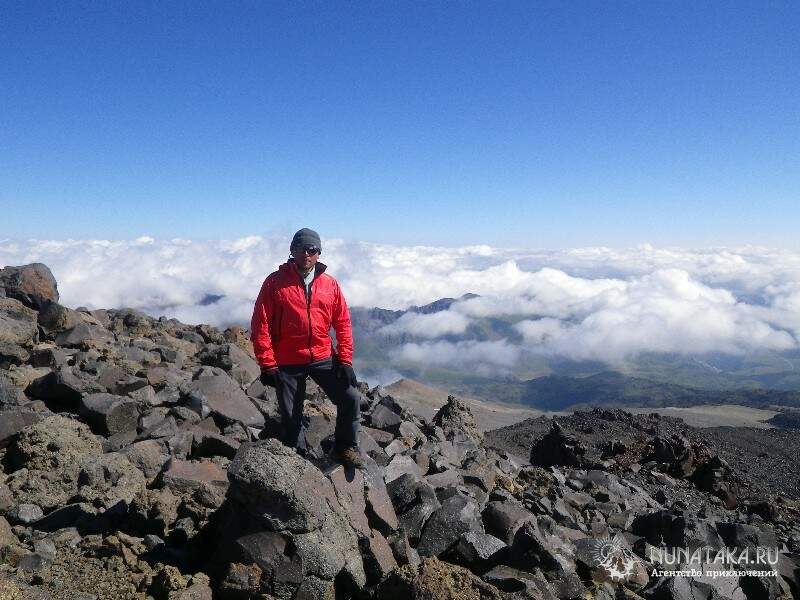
<point>431,325</point>
<point>601,303</point>
<point>484,358</point>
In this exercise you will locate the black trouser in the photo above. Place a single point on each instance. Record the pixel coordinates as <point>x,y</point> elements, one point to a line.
<point>291,393</point>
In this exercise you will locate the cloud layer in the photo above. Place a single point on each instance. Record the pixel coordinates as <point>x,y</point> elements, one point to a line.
<point>586,303</point>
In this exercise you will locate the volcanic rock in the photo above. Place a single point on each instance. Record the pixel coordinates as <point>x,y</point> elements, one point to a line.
<point>108,414</point>
<point>17,323</point>
<point>456,420</point>
<point>557,449</point>
<point>222,397</point>
<point>458,514</point>
<point>273,492</point>
<point>33,284</point>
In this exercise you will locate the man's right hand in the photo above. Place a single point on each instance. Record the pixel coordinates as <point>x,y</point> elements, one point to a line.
<point>269,377</point>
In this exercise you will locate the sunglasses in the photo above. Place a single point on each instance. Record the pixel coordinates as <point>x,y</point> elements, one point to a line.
<point>309,249</point>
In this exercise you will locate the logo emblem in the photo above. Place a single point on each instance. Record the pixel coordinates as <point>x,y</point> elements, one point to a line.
<point>613,555</point>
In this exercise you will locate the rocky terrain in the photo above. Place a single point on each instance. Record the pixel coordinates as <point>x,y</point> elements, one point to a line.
<point>139,462</point>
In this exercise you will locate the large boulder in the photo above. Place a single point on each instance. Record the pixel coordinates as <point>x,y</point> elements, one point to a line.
<point>283,515</point>
<point>17,323</point>
<point>33,284</point>
<point>47,458</point>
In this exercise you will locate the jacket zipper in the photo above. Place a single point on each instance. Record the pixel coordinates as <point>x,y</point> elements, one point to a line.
<point>308,311</point>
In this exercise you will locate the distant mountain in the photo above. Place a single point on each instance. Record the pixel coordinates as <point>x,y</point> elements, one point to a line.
<point>667,376</point>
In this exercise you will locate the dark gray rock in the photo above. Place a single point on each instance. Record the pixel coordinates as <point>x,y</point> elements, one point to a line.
<point>378,557</point>
<point>413,519</point>
<point>503,519</point>
<point>384,419</point>
<point>160,429</point>
<point>62,388</point>
<point>275,489</point>
<point>443,529</point>
<point>222,397</point>
<point>540,545</point>
<point>162,376</point>
<point>408,429</point>
<point>401,465</point>
<point>403,491</point>
<point>236,362</point>
<point>207,443</point>
<point>382,438</point>
<point>380,510</point>
<point>445,479</point>
<point>397,446</point>
<point>55,318</point>
<point>81,515</point>
<point>108,414</point>
<point>286,491</point>
<point>12,354</point>
<point>557,449</point>
<point>154,416</point>
<point>52,357</point>
<point>180,444</point>
<point>476,550</point>
<point>349,486</point>
<point>83,335</point>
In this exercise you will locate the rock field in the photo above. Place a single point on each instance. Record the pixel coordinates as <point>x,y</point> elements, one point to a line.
<point>139,461</point>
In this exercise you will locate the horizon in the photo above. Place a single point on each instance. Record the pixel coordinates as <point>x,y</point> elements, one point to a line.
<point>597,304</point>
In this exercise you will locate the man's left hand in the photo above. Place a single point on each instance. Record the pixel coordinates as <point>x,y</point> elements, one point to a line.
<point>346,374</point>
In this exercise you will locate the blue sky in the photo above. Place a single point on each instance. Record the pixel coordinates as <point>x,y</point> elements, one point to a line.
<point>508,124</point>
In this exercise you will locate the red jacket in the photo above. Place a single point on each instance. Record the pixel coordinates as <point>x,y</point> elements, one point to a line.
<point>287,329</point>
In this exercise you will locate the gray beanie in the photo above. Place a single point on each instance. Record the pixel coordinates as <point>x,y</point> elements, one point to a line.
<point>306,236</point>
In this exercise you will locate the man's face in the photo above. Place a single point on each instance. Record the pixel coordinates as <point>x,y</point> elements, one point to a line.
<point>304,258</point>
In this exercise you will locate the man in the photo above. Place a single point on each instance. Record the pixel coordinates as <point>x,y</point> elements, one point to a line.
<point>295,310</point>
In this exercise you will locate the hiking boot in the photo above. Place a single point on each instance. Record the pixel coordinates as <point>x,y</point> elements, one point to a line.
<point>350,457</point>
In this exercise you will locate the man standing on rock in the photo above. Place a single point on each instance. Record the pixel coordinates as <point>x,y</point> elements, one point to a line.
<point>295,310</point>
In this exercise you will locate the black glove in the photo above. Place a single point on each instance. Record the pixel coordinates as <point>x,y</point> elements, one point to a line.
<point>269,377</point>
<point>345,374</point>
